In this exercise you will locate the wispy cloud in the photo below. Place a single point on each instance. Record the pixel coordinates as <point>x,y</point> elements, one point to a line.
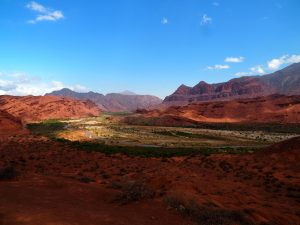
<point>235,59</point>
<point>164,21</point>
<point>18,83</point>
<point>44,13</point>
<point>218,67</point>
<point>274,64</point>
<point>206,20</point>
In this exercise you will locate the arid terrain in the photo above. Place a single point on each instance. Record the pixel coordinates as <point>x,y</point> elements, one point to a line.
<point>150,112</point>
<point>100,170</point>
<point>47,182</point>
<point>64,161</point>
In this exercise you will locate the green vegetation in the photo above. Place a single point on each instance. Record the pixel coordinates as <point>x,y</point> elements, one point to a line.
<point>266,127</point>
<point>111,138</point>
<point>153,151</point>
<point>47,128</point>
<point>124,113</point>
<point>189,135</point>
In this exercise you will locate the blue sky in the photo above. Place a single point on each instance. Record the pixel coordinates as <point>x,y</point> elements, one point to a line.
<point>146,46</point>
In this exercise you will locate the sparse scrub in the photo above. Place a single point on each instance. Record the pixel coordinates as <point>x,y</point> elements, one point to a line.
<point>132,191</point>
<point>207,214</point>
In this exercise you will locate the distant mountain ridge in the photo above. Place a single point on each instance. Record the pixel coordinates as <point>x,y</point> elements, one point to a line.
<point>285,82</point>
<point>114,102</point>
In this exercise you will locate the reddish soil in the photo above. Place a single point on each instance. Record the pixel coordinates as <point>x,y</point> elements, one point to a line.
<point>10,125</point>
<point>55,184</point>
<point>271,109</point>
<point>36,108</point>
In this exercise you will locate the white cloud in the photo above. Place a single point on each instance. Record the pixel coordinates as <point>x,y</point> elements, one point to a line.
<point>206,20</point>
<point>235,59</point>
<point>16,83</point>
<point>257,70</point>
<point>45,14</point>
<point>216,4</point>
<point>164,21</point>
<point>218,67</point>
<point>274,64</point>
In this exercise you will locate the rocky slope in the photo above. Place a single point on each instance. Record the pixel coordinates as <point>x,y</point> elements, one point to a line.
<point>36,108</point>
<point>285,81</point>
<point>114,102</point>
<point>9,125</point>
<point>270,109</point>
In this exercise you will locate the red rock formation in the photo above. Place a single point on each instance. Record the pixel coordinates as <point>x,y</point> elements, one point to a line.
<point>271,109</point>
<point>37,108</point>
<point>9,125</point>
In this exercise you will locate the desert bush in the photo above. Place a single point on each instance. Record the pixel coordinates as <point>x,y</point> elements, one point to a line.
<point>132,191</point>
<point>207,214</point>
<point>8,173</point>
<point>86,179</point>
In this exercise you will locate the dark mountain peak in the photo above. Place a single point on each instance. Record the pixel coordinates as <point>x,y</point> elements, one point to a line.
<point>182,90</point>
<point>201,88</point>
<point>63,92</point>
<point>201,83</point>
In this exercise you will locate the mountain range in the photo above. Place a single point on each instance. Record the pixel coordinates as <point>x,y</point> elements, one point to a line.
<point>113,102</point>
<point>284,82</point>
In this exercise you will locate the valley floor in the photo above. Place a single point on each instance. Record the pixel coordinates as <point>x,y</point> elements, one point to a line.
<point>50,182</point>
